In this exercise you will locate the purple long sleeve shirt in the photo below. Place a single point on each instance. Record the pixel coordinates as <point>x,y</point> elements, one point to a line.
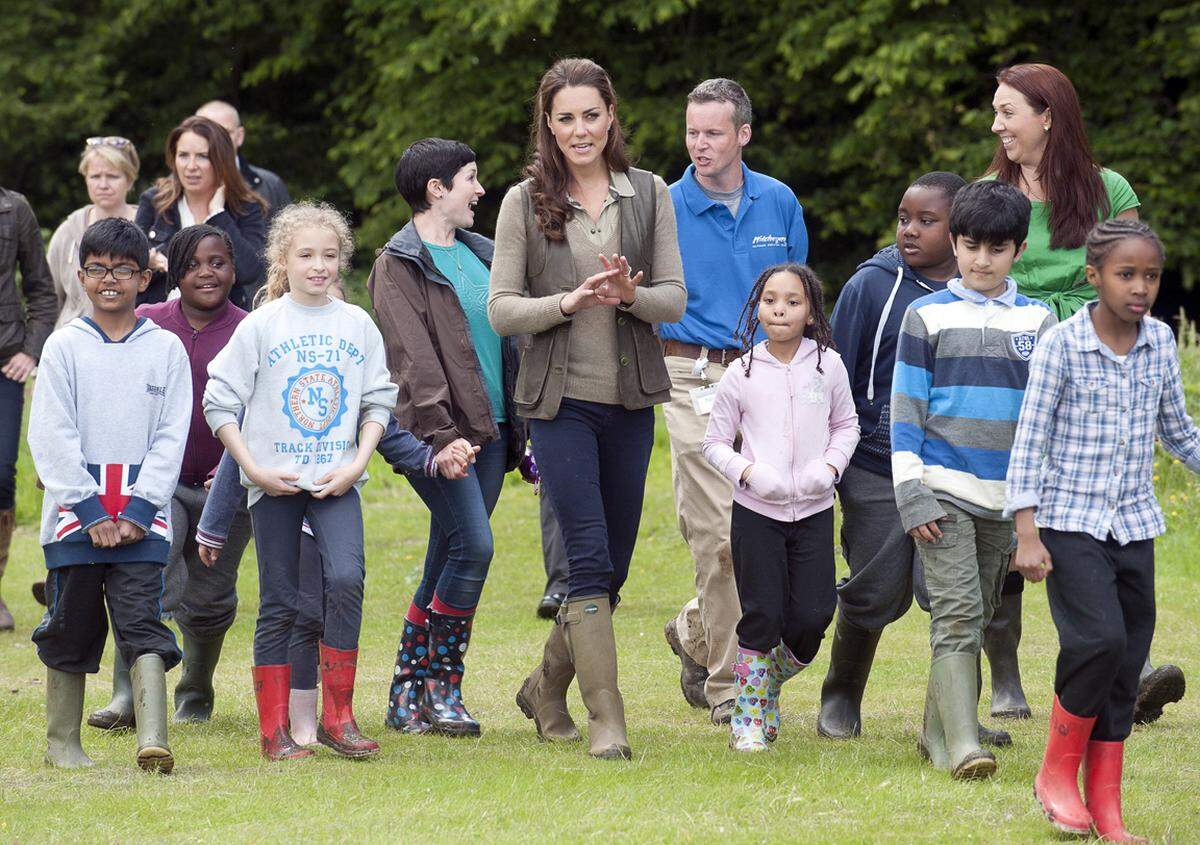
<point>203,450</point>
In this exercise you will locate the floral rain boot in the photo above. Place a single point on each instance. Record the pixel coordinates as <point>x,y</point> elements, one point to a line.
<point>746,725</point>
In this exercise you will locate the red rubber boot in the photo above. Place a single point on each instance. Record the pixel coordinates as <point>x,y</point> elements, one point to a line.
<point>272,685</point>
<point>337,728</point>
<point>1102,785</point>
<point>1056,786</point>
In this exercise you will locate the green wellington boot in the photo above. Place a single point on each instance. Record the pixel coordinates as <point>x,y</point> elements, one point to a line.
<point>194,692</point>
<point>64,713</point>
<point>587,623</point>
<point>931,742</point>
<point>149,677</point>
<point>117,715</point>
<point>954,676</point>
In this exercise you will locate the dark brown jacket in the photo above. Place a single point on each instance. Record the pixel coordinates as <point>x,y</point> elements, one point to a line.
<point>429,350</point>
<point>23,329</point>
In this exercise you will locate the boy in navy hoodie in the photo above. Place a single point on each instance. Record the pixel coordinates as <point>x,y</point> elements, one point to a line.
<point>866,325</point>
<point>107,431</point>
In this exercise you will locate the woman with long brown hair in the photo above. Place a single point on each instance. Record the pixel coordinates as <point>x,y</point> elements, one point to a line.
<point>204,185</point>
<point>586,262</point>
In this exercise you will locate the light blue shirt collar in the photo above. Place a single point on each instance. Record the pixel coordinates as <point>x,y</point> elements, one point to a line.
<point>1009,297</point>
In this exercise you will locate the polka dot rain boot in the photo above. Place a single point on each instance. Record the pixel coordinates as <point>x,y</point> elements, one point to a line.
<point>746,725</point>
<point>441,704</point>
<point>782,666</point>
<point>408,680</point>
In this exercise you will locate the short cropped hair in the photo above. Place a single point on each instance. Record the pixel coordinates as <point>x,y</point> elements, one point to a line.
<point>990,211</point>
<point>429,158</point>
<point>115,237</point>
<point>721,90</point>
<point>949,184</point>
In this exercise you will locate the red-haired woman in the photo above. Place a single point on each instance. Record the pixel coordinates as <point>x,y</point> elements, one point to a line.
<point>587,260</point>
<point>204,186</point>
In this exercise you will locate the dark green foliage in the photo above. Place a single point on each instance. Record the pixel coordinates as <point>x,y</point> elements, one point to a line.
<point>852,99</point>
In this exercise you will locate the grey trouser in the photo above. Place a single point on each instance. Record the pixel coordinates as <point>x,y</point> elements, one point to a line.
<point>881,556</point>
<point>202,599</point>
<point>554,552</point>
<point>964,572</point>
<point>707,624</point>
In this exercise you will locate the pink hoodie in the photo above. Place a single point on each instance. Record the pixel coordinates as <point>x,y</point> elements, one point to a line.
<point>793,421</point>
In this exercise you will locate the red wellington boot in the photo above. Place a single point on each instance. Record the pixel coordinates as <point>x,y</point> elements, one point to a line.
<point>1102,785</point>
<point>1056,786</point>
<point>337,728</point>
<point>271,689</point>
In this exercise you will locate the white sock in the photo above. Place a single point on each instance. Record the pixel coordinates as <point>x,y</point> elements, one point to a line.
<point>302,714</point>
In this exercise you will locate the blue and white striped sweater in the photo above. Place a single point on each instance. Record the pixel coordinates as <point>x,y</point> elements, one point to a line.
<point>961,366</point>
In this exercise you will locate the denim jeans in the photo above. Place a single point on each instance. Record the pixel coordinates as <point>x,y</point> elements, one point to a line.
<point>12,402</point>
<point>593,459</point>
<point>460,535</point>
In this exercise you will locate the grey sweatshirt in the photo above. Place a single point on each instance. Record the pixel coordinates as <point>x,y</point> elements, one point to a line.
<point>308,379</point>
<point>107,431</point>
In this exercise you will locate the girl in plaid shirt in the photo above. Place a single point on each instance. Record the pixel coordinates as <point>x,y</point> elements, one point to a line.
<point>1080,485</point>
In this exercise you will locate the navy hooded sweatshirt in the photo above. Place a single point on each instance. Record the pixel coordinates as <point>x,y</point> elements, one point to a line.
<point>866,324</point>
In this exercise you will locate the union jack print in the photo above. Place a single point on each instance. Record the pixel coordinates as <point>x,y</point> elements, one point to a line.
<point>116,489</point>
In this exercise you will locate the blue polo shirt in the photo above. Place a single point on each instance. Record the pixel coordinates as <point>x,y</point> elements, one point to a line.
<point>723,254</point>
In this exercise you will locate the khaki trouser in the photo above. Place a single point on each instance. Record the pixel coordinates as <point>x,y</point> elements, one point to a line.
<point>704,499</point>
<point>964,572</point>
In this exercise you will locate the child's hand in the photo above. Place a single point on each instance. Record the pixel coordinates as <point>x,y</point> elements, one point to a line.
<point>105,535</point>
<point>337,482</point>
<point>927,533</point>
<point>766,483</point>
<point>274,482</point>
<point>208,555</point>
<point>130,532</point>
<point>1032,558</point>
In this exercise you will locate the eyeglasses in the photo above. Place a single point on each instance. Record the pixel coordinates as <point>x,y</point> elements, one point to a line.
<point>109,141</point>
<point>99,271</point>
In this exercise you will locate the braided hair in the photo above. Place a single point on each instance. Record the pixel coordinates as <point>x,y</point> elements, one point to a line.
<point>182,247</point>
<point>818,330</point>
<point>1104,237</point>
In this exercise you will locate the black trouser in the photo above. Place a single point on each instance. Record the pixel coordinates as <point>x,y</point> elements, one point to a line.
<point>1102,600</point>
<point>784,573</point>
<point>71,635</point>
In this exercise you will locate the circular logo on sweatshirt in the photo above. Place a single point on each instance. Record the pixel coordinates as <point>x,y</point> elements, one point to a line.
<point>313,400</point>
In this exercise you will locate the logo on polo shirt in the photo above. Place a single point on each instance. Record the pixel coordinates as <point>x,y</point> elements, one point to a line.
<point>1023,343</point>
<point>769,240</point>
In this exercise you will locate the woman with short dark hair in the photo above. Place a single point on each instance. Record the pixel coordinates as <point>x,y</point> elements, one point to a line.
<point>587,261</point>
<point>204,186</point>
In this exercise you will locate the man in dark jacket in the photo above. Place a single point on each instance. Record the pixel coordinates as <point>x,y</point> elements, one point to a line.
<point>268,185</point>
<point>27,316</point>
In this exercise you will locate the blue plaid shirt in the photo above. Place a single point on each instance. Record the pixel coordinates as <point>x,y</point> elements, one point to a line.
<point>1084,448</point>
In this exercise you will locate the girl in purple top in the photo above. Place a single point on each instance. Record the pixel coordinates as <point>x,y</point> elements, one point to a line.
<point>790,401</point>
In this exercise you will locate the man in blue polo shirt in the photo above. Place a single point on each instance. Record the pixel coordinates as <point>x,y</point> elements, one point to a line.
<point>733,223</point>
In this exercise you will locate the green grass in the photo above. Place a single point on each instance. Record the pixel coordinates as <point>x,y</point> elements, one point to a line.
<point>682,785</point>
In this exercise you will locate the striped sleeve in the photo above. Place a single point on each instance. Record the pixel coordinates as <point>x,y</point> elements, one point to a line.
<point>912,379</point>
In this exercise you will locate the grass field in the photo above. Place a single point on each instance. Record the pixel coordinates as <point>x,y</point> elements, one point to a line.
<point>682,785</point>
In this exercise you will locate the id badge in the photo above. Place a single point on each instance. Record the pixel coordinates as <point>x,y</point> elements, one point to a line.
<point>703,399</point>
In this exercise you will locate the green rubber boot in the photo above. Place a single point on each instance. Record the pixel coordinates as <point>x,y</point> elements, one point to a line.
<point>149,677</point>
<point>194,693</point>
<point>953,677</point>
<point>64,713</point>
<point>117,715</point>
<point>932,740</point>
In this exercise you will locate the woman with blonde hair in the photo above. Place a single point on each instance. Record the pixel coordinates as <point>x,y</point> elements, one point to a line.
<point>109,166</point>
<point>204,186</point>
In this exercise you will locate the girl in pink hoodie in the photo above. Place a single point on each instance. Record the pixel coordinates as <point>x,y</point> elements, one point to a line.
<point>790,401</point>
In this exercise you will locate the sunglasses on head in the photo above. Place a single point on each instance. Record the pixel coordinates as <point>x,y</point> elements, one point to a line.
<point>108,141</point>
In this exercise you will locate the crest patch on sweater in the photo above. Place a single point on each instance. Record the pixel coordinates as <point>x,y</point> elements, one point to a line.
<point>314,400</point>
<point>1023,343</point>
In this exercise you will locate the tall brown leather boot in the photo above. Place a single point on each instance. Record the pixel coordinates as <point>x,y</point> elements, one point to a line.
<point>593,649</point>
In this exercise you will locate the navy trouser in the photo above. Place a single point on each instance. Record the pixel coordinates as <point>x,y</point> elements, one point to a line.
<point>12,402</point>
<point>785,580</point>
<point>1102,601</point>
<point>593,459</point>
<point>460,547</point>
<point>72,633</point>
<point>303,649</point>
<point>337,523</point>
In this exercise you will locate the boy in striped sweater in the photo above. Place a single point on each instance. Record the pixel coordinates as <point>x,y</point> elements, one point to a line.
<point>961,366</point>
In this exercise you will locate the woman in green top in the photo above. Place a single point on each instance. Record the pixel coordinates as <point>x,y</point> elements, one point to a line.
<point>1044,152</point>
